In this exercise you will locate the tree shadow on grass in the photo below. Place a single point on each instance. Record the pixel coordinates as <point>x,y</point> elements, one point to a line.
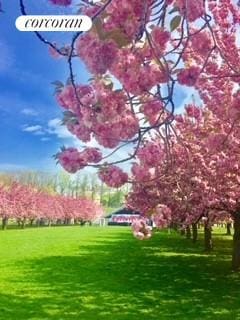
<point>126,279</point>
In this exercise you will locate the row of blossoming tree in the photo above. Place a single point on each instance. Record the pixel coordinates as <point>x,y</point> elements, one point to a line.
<point>27,204</point>
<point>141,54</point>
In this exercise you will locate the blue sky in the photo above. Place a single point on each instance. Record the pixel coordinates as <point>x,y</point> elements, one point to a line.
<point>30,129</point>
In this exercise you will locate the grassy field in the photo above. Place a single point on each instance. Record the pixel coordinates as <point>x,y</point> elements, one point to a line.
<point>92,273</point>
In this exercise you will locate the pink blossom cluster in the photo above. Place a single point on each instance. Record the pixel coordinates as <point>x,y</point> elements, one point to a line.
<point>98,55</point>
<point>128,17</point>
<point>72,160</point>
<point>103,113</point>
<point>193,111</point>
<point>140,173</point>
<point>110,134</point>
<point>135,76</point>
<point>92,155</point>
<point>188,76</point>
<point>201,44</point>
<point>79,130</point>
<point>235,109</point>
<point>160,38</point>
<point>113,176</point>
<point>152,110</point>
<point>67,99</point>
<point>141,230</point>
<point>163,216</point>
<point>151,154</point>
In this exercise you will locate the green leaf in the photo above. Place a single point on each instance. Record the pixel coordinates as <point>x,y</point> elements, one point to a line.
<point>175,22</point>
<point>58,84</point>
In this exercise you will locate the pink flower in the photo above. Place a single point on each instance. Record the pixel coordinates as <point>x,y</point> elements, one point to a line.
<point>150,154</point>
<point>140,173</point>
<point>71,160</point>
<point>113,176</point>
<point>201,43</point>
<point>80,131</point>
<point>92,155</point>
<point>141,230</point>
<point>163,216</point>
<point>193,111</point>
<point>189,76</point>
<point>160,38</point>
<point>98,55</point>
<point>152,110</point>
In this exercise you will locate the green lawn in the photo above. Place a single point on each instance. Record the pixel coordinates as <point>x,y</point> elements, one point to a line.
<point>92,273</point>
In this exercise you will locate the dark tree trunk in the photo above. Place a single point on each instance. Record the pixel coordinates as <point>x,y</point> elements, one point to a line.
<point>229,226</point>
<point>23,223</point>
<point>4,223</point>
<point>67,221</point>
<point>188,232</point>
<point>183,232</point>
<point>82,223</point>
<point>208,238</point>
<point>31,222</point>
<point>236,243</point>
<point>194,232</point>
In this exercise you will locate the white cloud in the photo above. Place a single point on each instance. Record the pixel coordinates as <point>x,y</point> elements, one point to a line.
<point>55,128</point>
<point>36,128</point>
<point>29,112</point>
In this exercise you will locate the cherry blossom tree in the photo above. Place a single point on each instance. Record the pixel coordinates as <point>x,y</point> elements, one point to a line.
<point>24,204</point>
<point>199,177</point>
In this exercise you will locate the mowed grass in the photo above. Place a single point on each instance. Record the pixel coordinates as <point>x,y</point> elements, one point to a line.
<point>91,273</point>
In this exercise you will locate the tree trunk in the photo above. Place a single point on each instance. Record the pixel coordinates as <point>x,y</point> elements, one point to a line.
<point>188,232</point>
<point>4,223</point>
<point>183,232</point>
<point>229,226</point>
<point>82,223</point>
<point>236,243</point>
<point>23,223</point>
<point>194,232</point>
<point>208,238</point>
